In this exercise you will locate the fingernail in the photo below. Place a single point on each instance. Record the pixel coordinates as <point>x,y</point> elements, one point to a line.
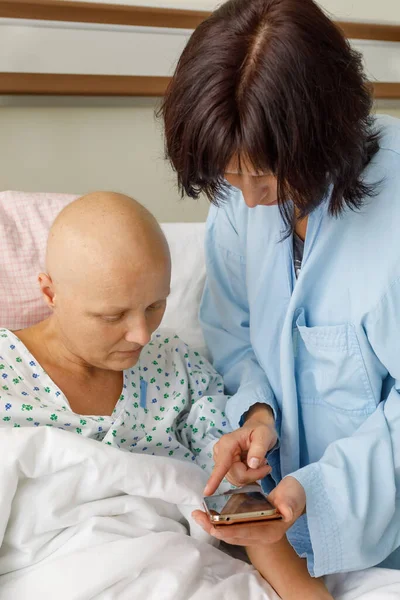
<point>254,463</point>
<point>290,513</point>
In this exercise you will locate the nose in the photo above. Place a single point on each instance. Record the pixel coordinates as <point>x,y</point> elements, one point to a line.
<point>253,194</point>
<point>138,332</point>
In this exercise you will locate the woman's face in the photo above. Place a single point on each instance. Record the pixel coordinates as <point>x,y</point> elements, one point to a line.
<point>110,312</point>
<point>258,189</point>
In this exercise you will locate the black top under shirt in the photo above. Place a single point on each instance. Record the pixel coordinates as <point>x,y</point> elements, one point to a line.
<point>298,252</point>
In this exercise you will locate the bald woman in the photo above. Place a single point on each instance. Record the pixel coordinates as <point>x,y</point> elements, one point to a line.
<point>94,367</point>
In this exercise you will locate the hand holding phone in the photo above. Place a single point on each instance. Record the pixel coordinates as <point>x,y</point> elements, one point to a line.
<point>241,505</point>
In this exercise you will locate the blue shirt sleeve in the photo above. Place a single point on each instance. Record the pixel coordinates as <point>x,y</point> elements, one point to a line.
<point>353,501</point>
<point>224,315</point>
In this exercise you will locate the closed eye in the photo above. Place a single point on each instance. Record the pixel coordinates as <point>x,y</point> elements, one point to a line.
<point>113,318</point>
<point>156,306</point>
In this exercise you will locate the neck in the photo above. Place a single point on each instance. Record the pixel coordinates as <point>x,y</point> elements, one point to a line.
<point>46,342</point>
<point>301,226</point>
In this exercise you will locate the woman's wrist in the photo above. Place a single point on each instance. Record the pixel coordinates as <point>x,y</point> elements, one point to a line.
<point>260,412</point>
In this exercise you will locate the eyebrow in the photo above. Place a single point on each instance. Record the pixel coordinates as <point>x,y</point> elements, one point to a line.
<point>116,310</point>
<point>109,311</point>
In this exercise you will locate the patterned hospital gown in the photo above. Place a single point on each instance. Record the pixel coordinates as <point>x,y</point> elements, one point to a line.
<point>172,402</point>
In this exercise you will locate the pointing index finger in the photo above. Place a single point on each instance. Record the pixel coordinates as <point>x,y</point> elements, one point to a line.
<point>223,463</point>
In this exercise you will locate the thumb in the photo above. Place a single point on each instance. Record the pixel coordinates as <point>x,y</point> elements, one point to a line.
<point>289,498</point>
<point>284,507</point>
<point>258,449</point>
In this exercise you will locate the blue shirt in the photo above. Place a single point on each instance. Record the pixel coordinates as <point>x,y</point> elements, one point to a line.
<point>324,353</point>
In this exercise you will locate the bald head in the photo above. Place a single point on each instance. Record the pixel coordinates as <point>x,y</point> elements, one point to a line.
<point>103,230</point>
<point>107,281</point>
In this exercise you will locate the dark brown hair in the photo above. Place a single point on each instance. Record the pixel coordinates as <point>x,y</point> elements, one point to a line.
<point>277,83</point>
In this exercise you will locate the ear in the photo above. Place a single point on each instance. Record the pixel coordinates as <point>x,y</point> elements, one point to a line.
<point>47,289</point>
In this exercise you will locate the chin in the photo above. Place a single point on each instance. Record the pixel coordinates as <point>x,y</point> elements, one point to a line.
<point>122,364</point>
<point>119,361</point>
<point>132,362</point>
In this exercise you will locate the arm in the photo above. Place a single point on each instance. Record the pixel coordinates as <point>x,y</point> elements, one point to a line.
<point>286,572</point>
<point>352,493</point>
<point>225,318</point>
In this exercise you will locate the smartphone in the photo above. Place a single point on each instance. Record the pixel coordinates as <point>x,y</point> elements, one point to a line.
<point>241,505</point>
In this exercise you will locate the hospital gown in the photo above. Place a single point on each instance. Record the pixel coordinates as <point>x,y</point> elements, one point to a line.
<point>171,404</point>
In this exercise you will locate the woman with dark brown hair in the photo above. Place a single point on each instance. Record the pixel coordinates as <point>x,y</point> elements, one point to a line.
<point>269,114</point>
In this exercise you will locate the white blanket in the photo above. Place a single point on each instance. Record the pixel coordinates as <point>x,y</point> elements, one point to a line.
<point>80,520</point>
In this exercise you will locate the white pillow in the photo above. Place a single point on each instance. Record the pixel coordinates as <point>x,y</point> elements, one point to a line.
<point>186,241</point>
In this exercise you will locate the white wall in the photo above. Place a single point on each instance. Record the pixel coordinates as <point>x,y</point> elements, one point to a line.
<point>90,49</point>
<point>91,146</point>
<point>364,10</point>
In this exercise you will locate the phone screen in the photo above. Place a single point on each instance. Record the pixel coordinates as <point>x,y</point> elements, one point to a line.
<point>242,500</point>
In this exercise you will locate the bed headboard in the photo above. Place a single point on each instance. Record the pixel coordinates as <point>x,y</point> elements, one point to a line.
<point>90,57</point>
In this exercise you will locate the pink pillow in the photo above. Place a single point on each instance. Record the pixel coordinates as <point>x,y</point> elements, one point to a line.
<point>25,220</point>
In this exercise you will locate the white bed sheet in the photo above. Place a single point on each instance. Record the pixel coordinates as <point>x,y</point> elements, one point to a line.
<point>80,520</point>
